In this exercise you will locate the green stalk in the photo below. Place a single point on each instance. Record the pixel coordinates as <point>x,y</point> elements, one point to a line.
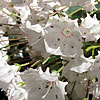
<point>75,12</point>
<point>60,69</point>
<point>94,11</point>
<point>46,60</point>
<point>92,47</point>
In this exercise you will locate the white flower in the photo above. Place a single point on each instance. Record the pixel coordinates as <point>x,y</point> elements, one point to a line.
<point>45,5</point>
<point>64,35</point>
<point>76,68</point>
<point>15,91</point>
<point>90,59</point>
<point>35,5</point>
<point>4,85</point>
<point>35,27</point>
<point>95,30</point>
<point>7,72</point>
<point>18,2</point>
<point>53,77</point>
<point>73,2</point>
<point>84,67</point>
<point>3,41</point>
<point>6,15</point>
<point>34,34</point>
<point>24,12</point>
<point>96,93</point>
<point>95,90</point>
<point>8,1</point>
<point>79,89</point>
<point>93,2</point>
<point>89,22</point>
<point>96,68</point>
<point>90,28</point>
<point>44,85</point>
<point>41,9</point>
<point>2,4</point>
<point>51,50</point>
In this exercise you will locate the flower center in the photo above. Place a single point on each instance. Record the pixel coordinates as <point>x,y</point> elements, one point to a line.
<point>86,32</point>
<point>67,32</point>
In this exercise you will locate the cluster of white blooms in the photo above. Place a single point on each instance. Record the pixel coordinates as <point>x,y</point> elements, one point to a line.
<point>66,28</point>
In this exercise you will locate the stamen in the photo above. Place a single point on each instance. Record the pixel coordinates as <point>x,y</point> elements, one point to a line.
<point>47,91</point>
<point>56,96</point>
<point>86,32</point>
<point>36,41</point>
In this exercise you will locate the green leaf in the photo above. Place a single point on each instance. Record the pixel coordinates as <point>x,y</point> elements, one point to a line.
<point>97,11</point>
<point>97,1</point>
<point>76,12</point>
<point>97,5</point>
<point>53,62</point>
<point>56,64</point>
<point>73,9</point>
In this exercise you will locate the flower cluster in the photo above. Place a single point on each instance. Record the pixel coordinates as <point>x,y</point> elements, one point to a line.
<point>50,49</point>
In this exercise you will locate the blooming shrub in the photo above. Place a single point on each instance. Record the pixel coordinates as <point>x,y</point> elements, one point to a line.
<point>49,49</point>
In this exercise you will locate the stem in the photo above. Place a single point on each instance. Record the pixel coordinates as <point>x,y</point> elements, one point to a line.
<point>51,62</point>
<point>46,60</point>
<point>72,90</point>
<point>28,63</point>
<point>9,24</point>
<point>14,44</point>
<point>18,50</point>
<point>57,11</point>
<point>12,34</point>
<point>24,64</point>
<point>19,60</point>
<point>93,56</point>
<point>5,12</point>
<point>92,47</point>
<point>34,63</point>
<point>13,39</point>
<point>12,14</point>
<point>55,64</point>
<point>75,12</point>
<point>94,11</point>
<point>47,91</point>
<point>60,69</point>
<point>20,66</point>
<point>36,42</point>
<point>87,90</point>
<point>66,97</point>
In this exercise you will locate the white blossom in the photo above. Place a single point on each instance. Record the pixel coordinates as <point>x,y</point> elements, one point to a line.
<point>64,35</point>
<point>73,2</point>
<point>15,91</point>
<point>89,22</point>
<point>44,84</point>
